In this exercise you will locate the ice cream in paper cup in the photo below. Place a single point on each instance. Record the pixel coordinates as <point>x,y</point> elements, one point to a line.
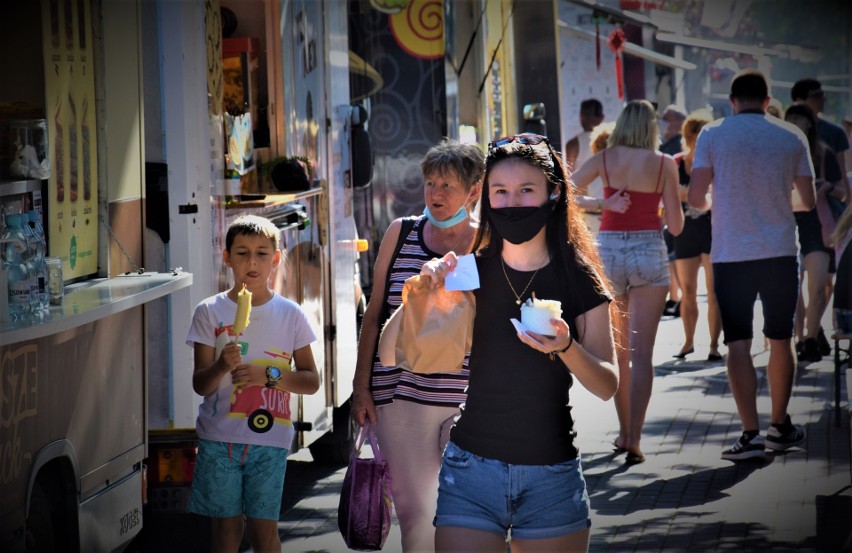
<point>536,315</point>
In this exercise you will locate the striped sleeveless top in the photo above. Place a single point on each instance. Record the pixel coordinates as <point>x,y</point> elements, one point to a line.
<point>392,383</point>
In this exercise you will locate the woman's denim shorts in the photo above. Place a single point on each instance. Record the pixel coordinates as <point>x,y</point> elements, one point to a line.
<point>634,258</point>
<point>534,501</point>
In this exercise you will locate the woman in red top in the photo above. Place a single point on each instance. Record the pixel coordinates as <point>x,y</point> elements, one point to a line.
<point>634,254</point>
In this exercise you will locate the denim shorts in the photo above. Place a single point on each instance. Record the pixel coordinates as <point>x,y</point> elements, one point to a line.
<point>534,501</point>
<point>238,479</point>
<point>634,258</point>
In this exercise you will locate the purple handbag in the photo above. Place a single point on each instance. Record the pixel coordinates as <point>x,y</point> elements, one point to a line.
<point>364,514</point>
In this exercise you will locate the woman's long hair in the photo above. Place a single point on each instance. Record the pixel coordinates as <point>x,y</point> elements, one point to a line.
<point>568,238</point>
<point>690,129</point>
<point>814,143</point>
<point>844,225</point>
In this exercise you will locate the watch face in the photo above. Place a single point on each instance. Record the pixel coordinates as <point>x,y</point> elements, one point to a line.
<point>273,372</point>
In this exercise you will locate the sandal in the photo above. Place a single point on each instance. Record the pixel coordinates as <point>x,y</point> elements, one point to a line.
<point>684,353</point>
<point>634,458</point>
<point>714,356</point>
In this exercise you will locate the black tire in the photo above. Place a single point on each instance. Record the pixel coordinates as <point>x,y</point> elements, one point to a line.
<point>39,525</point>
<point>334,447</point>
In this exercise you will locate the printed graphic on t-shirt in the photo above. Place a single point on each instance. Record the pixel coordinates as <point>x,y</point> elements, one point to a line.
<point>261,406</point>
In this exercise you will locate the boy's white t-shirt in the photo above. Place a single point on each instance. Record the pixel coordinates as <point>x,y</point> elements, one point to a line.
<point>254,415</point>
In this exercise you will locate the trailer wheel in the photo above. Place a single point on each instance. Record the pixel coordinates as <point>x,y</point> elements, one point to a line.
<point>39,524</point>
<point>334,447</point>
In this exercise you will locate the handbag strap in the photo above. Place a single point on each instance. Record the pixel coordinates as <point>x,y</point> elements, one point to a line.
<point>377,455</point>
<point>404,230</point>
<point>360,436</point>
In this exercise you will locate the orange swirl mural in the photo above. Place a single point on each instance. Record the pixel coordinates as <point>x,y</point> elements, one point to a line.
<point>419,29</point>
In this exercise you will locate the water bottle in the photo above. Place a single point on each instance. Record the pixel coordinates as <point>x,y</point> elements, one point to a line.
<point>38,260</point>
<point>14,263</point>
<point>29,260</point>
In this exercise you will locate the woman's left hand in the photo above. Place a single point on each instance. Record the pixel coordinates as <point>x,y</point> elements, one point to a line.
<point>618,202</point>
<point>548,344</point>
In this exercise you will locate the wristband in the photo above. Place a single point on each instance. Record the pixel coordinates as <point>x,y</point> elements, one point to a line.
<point>553,354</point>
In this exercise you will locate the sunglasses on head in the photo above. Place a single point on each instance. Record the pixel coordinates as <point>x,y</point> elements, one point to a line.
<point>527,138</point>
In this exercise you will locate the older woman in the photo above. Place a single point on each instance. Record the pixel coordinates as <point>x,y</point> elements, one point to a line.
<point>634,254</point>
<point>412,413</point>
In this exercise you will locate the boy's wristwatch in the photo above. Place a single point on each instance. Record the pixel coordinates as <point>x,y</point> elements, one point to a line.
<point>273,375</point>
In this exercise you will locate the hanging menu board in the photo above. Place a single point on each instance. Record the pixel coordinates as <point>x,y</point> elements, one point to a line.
<point>70,108</point>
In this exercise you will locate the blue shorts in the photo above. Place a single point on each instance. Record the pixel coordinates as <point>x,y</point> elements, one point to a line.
<point>738,285</point>
<point>238,479</point>
<point>634,258</point>
<point>534,501</point>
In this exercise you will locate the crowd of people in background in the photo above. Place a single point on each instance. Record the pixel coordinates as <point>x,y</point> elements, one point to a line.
<point>689,253</point>
<point>755,238</point>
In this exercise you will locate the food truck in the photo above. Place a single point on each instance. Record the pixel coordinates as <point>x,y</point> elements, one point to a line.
<point>73,377</point>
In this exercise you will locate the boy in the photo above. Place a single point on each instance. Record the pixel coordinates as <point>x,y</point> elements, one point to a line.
<point>243,425</point>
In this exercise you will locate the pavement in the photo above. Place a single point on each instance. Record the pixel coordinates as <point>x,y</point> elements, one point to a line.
<point>684,497</point>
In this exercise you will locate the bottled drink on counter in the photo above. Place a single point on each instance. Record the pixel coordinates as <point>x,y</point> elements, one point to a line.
<point>30,260</point>
<point>14,264</point>
<point>38,261</point>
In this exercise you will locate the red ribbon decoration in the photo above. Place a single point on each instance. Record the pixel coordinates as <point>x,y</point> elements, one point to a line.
<point>616,42</point>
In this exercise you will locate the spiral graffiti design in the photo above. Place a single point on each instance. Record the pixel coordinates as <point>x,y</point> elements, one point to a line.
<point>419,29</point>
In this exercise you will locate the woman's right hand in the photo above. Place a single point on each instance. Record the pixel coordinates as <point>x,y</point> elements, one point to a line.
<point>363,408</point>
<point>437,269</point>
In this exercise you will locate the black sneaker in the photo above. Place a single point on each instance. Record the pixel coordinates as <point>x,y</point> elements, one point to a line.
<point>809,350</point>
<point>822,343</point>
<point>746,448</point>
<point>783,437</point>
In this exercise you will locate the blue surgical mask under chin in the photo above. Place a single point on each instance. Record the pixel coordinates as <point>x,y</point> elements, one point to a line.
<point>460,216</point>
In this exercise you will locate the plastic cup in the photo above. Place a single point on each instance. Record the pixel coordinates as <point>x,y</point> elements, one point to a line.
<point>55,282</point>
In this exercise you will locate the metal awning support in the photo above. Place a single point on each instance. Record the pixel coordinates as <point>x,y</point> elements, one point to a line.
<point>784,51</point>
<point>720,45</point>
<point>615,14</point>
<point>630,48</point>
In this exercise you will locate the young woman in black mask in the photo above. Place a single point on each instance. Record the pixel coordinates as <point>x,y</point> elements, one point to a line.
<point>515,436</point>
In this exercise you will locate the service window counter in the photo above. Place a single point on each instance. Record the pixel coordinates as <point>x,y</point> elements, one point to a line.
<point>73,411</point>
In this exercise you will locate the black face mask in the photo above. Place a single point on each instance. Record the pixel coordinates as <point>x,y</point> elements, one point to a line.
<point>520,224</point>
